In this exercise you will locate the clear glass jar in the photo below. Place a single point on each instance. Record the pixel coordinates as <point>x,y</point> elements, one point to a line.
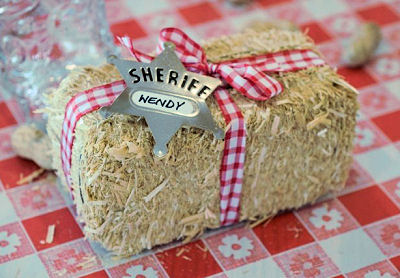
<point>40,40</point>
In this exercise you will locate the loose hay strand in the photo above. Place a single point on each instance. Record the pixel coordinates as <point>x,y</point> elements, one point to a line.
<point>156,191</point>
<point>50,233</point>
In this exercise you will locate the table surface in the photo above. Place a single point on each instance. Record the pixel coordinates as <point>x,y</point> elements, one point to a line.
<point>356,234</point>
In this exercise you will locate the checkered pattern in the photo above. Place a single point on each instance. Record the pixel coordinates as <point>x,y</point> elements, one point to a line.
<point>355,234</point>
<point>231,171</point>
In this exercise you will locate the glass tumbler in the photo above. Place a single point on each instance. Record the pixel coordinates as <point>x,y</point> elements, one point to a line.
<point>40,40</point>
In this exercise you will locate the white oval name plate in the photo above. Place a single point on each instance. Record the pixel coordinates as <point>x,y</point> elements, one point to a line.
<point>165,103</point>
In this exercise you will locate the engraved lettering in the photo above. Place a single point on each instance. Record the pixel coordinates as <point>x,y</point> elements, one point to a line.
<point>152,100</point>
<point>184,80</point>
<point>159,74</point>
<point>203,90</point>
<point>146,73</point>
<point>137,77</point>
<point>173,75</point>
<point>179,105</point>
<point>161,102</point>
<point>192,84</point>
<point>143,99</point>
<point>166,103</point>
<point>170,104</point>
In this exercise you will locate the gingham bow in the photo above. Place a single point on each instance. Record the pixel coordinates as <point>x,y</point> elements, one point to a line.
<point>246,75</point>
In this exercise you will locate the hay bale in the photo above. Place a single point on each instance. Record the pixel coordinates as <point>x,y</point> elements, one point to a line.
<point>298,148</point>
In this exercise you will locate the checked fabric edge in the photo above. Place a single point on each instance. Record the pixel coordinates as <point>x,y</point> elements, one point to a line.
<point>232,165</point>
<point>78,106</point>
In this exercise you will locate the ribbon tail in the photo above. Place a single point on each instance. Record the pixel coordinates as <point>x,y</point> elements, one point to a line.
<point>250,82</point>
<point>140,56</point>
<point>269,86</point>
<point>187,49</point>
<point>232,165</point>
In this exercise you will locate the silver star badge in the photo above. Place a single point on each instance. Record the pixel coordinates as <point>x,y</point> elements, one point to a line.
<point>166,95</point>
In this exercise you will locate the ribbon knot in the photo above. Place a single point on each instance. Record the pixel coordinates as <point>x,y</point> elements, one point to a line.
<point>212,69</point>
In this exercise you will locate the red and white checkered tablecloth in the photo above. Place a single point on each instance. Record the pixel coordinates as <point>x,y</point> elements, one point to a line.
<point>356,234</point>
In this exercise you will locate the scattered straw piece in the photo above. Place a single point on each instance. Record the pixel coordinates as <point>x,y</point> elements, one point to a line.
<point>275,124</point>
<point>204,249</point>
<point>262,220</point>
<point>322,132</point>
<point>192,219</point>
<point>119,153</point>
<point>87,262</point>
<point>50,233</point>
<point>336,113</point>
<point>208,214</point>
<point>345,84</point>
<point>283,101</point>
<point>156,191</point>
<point>322,119</point>
<point>296,231</point>
<point>31,176</point>
<point>186,258</point>
<point>181,251</point>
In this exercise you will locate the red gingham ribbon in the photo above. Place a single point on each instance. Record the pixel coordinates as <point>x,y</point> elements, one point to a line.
<point>246,75</point>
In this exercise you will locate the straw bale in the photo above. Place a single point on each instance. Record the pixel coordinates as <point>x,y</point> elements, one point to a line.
<point>298,148</point>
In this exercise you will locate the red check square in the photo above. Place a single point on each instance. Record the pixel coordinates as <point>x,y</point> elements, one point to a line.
<point>381,14</point>
<point>282,233</point>
<point>190,260</point>
<point>15,168</point>
<point>369,205</point>
<point>357,77</point>
<point>268,3</point>
<point>200,13</point>
<point>316,32</point>
<point>130,28</point>
<point>389,124</point>
<point>98,274</point>
<point>6,118</point>
<point>396,262</point>
<point>66,228</point>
